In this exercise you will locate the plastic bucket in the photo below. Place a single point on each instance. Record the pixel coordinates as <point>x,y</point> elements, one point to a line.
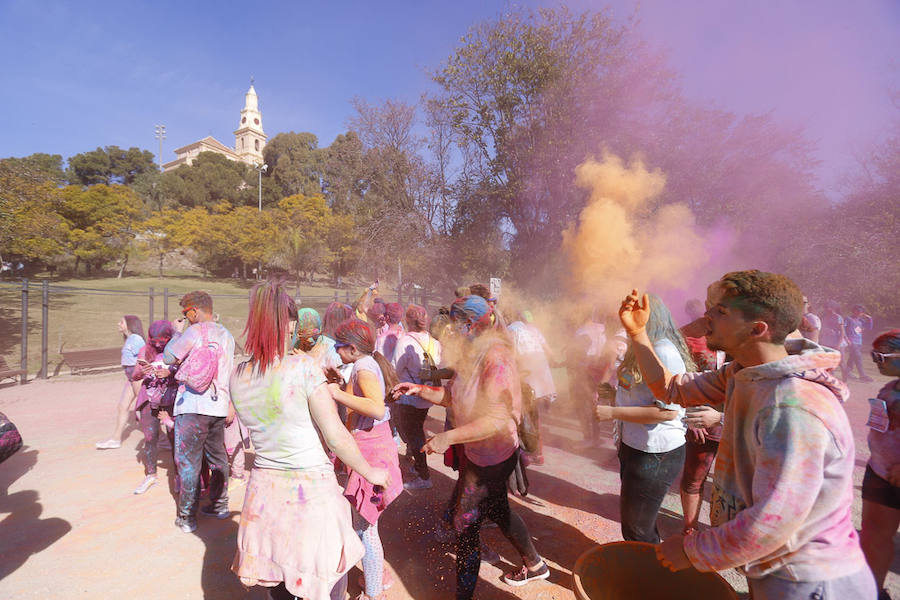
<point>630,571</point>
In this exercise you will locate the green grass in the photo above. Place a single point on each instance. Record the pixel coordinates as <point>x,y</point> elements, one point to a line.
<point>84,320</point>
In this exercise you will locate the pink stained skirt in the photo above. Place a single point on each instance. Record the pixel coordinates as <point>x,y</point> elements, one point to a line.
<point>296,528</point>
<point>379,449</point>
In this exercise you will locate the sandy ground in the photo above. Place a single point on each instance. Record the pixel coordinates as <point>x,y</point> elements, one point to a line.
<point>71,527</point>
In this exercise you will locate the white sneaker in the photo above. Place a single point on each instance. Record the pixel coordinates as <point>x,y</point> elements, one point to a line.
<point>418,484</point>
<point>108,445</point>
<point>148,481</point>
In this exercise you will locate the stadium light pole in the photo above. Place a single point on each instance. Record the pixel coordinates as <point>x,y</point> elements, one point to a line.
<point>260,169</point>
<point>160,135</point>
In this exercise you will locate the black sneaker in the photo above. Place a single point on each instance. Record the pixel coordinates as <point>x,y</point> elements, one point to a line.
<point>186,524</point>
<point>524,575</point>
<point>210,511</point>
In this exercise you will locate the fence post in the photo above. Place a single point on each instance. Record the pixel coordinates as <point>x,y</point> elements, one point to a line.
<point>45,326</point>
<point>347,297</point>
<point>151,305</point>
<point>425,298</point>
<point>23,378</point>
<point>166,304</point>
<point>335,296</point>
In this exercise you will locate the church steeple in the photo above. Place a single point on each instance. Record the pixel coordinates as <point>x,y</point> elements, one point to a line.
<point>249,137</point>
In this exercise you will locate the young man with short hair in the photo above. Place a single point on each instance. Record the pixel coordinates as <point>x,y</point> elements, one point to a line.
<point>783,486</point>
<point>201,417</point>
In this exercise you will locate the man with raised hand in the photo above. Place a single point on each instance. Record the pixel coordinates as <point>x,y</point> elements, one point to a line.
<point>783,486</point>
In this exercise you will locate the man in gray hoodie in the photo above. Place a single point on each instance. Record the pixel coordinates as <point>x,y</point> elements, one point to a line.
<point>783,487</point>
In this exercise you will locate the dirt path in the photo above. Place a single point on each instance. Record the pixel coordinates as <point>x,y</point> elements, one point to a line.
<point>71,527</point>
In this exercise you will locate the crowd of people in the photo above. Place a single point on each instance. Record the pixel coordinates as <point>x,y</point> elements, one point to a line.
<point>328,402</point>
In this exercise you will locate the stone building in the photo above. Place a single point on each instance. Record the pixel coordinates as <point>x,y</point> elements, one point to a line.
<point>249,139</point>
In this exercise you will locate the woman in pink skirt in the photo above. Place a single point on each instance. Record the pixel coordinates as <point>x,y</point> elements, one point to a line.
<point>296,533</point>
<point>367,420</point>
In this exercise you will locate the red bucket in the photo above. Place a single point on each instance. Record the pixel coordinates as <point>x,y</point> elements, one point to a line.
<point>630,571</point>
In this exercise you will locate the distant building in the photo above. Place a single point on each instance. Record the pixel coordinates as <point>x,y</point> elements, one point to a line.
<point>249,139</point>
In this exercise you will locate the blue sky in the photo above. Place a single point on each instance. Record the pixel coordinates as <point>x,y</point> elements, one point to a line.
<point>87,74</point>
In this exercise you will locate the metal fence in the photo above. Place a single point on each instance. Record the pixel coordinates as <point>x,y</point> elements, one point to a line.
<point>39,319</point>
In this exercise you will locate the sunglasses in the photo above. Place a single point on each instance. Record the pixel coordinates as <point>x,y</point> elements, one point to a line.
<point>880,357</point>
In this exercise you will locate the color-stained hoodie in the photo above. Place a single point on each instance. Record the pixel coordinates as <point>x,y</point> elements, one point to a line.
<point>783,486</point>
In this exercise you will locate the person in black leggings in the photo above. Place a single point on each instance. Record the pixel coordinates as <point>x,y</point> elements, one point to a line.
<point>485,394</point>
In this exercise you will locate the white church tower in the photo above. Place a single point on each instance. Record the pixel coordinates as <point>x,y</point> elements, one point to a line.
<point>249,138</point>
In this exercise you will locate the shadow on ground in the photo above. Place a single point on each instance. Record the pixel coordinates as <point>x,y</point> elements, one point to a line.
<point>23,532</point>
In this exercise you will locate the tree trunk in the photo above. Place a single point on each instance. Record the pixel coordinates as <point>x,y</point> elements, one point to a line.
<point>161,256</point>
<point>122,268</point>
<point>77,262</point>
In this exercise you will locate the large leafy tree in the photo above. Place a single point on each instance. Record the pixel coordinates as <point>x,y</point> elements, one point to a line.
<point>209,181</point>
<point>161,234</point>
<point>301,245</point>
<point>37,167</point>
<point>109,165</point>
<point>101,221</point>
<point>511,92</point>
<point>29,224</point>
<point>294,164</point>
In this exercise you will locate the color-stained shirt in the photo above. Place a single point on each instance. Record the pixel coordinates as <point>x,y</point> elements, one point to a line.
<point>854,327</point>
<point>131,347</point>
<point>275,410</point>
<point>657,437</point>
<point>214,401</point>
<point>885,447</point>
<point>783,484</point>
<point>386,342</point>
<point>529,343</point>
<point>367,363</point>
<point>408,360</point>
<point>489,386</point>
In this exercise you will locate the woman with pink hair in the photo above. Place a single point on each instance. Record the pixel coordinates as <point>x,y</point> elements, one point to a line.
<point>295,534</point>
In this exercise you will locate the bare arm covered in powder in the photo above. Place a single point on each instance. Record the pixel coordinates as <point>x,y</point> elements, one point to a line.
<point>644,415</point>
<point>370,404</point>
<point>434,394</point>
<point>688,389</point>
<point>325,416</point>
<point>365,301</point>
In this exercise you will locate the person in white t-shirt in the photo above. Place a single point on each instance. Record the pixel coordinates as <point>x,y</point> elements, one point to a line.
<point>651,450</point>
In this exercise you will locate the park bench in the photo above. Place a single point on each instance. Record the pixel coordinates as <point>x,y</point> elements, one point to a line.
<point>86,360</point>
<point>7,373</point>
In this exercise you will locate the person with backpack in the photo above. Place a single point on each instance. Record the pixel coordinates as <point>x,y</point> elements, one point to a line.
<point>205,354</point>
<point>367,421</point>
<point>416,354</point>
